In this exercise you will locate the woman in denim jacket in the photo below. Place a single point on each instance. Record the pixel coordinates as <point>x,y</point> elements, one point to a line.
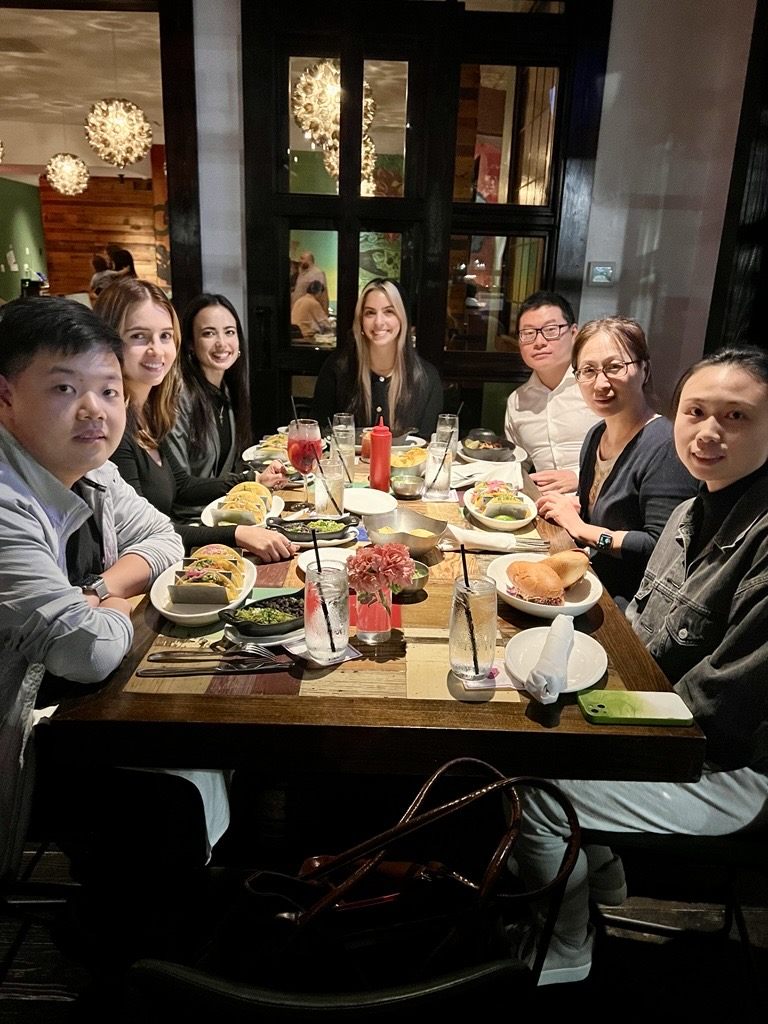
<point>702,611</point>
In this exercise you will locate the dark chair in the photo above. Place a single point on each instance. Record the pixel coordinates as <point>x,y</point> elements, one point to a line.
<point>158,990</point>
<point>696,869</point>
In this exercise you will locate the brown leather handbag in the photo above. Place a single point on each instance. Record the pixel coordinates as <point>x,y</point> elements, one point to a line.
<point>377,915</point>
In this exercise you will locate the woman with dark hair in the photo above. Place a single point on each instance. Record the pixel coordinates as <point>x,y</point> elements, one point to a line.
<point>380,374</point>
<point>143,316</point>
<point>701,610</point>
<point>212,425</point>
<point>630,478</point>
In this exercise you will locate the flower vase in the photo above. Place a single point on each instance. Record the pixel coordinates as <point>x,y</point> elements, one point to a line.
<point>374,617</point>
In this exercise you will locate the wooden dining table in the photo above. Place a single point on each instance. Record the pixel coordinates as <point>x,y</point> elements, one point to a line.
<point>396,711</point>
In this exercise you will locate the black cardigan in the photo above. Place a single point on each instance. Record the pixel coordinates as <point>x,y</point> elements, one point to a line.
<point>166,484</point>
<point>335,392</point>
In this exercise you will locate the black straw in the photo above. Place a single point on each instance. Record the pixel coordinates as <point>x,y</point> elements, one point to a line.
<point>470,623</point>
<point>320,592</point>
<point>338,450</point>
<point>295,414</point>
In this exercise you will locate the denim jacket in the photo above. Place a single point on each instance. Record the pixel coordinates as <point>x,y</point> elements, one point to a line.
<point>705,621</point>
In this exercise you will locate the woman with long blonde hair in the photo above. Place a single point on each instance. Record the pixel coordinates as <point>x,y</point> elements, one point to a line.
<point>380,374</point>
<point>146,321</point>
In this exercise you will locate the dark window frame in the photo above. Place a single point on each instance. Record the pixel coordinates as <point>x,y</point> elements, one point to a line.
<point>442,37</point>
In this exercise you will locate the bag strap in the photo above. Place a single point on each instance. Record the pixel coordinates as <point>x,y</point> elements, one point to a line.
<point>367,855</point>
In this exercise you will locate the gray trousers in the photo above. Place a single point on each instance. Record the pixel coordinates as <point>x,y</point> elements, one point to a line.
<point>719,803</point>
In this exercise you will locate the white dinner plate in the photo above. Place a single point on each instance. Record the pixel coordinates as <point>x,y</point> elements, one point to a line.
<point>347,538</point>
<point>365,501</point>
<point>260,453</point>
<point>206,516</point>
<point>578,599</point>
<point>195,614</point>
<point>496,524</point>
<point>587,661</point>
<point>328,557</point>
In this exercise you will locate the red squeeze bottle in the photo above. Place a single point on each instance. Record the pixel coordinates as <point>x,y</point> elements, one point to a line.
<point>381,450</point>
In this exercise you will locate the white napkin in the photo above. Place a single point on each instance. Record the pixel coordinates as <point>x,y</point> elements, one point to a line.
<point>548,676</point>
<point>468,473</point>
<point>480,540</point>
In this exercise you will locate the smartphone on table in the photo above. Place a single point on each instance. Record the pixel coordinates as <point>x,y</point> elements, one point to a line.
<point>634,707</point>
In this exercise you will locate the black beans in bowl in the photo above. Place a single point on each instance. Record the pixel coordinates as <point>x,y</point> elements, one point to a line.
<point>270,616</point>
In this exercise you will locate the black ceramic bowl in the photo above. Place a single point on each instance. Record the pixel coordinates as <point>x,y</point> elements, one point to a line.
<point>296,529</point>
<point>255,629</point>
<point>503,450</point>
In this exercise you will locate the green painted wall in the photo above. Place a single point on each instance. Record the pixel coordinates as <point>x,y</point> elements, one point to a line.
<point>21,236</point>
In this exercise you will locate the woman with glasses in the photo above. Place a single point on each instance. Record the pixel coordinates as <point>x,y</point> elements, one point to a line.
<point>630,477</point>
<point>700,610</point>
<point>380,374</point>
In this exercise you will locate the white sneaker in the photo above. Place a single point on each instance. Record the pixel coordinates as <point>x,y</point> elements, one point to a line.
<point>563,963</point>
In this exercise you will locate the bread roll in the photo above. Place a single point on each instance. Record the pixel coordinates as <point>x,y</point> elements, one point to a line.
<point>570,566</point>
<point>536,582</point>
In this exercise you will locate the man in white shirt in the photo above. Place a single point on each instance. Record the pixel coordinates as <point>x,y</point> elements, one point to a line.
<point>547,416</point>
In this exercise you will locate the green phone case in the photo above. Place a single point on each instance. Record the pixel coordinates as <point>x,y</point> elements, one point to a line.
<point>634,707</point>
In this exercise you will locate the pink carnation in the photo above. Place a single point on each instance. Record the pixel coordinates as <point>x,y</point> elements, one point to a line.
<point>378,567</point>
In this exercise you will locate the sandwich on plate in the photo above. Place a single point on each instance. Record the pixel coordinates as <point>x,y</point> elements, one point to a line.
<point>536,582</point>
<point>545,581</point>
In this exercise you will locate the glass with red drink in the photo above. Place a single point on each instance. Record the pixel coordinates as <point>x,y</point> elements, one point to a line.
<point>304,448</point>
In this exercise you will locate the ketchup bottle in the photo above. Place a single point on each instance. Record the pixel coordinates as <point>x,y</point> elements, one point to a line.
<point>381,450</point>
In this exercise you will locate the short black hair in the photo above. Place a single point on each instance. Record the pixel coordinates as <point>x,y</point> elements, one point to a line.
<point>315,287</point>
<point>545,298</point>
<point>750,358</point>
<point>48,324</point>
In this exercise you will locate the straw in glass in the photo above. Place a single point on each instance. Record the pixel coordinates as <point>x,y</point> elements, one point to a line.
<point>320,592</point>
<point>468,613</point>
<point>439,468</point>
<point>322,474</point>
<point>338,450</point>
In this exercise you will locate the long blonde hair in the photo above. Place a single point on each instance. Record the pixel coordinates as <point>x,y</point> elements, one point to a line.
<point>399,374</point>
<point>150,424</point>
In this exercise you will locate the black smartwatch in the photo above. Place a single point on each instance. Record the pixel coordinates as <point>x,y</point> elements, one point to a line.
<point>604,542</point>
<point>97,585</point>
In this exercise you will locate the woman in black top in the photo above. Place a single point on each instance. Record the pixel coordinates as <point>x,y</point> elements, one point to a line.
<point>146,321</point>
<point>212,426</point>
<point>380,374</point>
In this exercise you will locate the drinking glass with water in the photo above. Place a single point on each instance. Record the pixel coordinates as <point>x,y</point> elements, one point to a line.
<point>344,432</point>
<point>326,614</point>
<point>472,629</point>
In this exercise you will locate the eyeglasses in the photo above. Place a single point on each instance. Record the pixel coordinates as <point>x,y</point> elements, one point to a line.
<point>587,374</point>
<point>550,332</point>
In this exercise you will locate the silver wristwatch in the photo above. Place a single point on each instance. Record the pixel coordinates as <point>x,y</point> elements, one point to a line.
<point>95,585</point>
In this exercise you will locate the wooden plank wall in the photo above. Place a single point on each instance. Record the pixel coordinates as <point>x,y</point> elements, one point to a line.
<point>76,227</point>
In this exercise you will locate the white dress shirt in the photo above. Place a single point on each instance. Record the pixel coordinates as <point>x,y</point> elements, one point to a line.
<point>549,425</point>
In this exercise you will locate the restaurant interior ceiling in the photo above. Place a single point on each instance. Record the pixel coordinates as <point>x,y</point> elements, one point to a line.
<point>54,64</point>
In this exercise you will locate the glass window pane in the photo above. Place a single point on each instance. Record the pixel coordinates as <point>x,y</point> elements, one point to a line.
<point>313,270</point>
<point>489,277</point>
<point>314,103</point>
<point>380,255</point>
<point>383,157</point>
<point>504,134</point>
